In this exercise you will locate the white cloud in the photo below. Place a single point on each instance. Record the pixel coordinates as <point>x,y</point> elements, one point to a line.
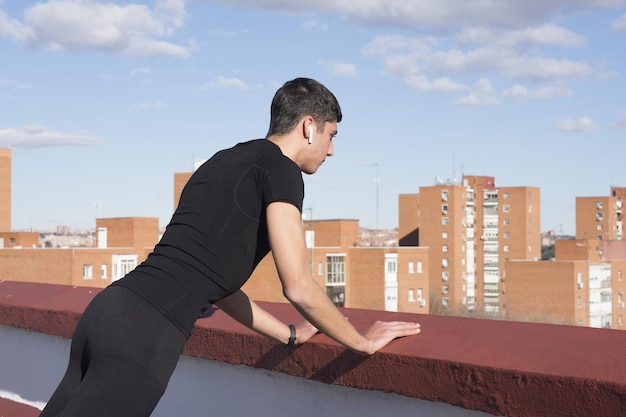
<point>13,29</point>
<point>40,136</point>
<point>389,45</point>
<point>339,68</point>
<point>619,24</point>
<point>516,93</point>
<point>140,71</point>
<point>538,35</point>
<point>441,85</point>
<point>481,94</point>
<point>445,14</point>
<point>582,124</point>
<point>551,91</point>
<point>620,123</point>
<point>416,60</point>
<point>228,83</point>
<point>157,104</point>
<point>314,24</point>
<point>507,62</point>
<point>172,11</point>
<point>134,29</point>
<point>520,93</point>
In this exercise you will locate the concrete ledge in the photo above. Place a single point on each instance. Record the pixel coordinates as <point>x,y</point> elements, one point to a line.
<point>502,368</point>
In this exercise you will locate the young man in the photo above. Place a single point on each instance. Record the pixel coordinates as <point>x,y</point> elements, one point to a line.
<point>237,206</point>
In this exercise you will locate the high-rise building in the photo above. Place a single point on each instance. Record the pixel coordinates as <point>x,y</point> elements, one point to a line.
<point>471,228</point>
<point>601,217</point>
<point>5,190</point>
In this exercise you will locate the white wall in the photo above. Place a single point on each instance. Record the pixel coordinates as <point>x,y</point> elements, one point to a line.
<point>32,364</point>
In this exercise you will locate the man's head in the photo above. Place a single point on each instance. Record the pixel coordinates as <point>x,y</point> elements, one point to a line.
<point>299,98</point>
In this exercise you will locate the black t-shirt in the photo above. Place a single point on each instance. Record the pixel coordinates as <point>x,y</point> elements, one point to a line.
<point>218,233</point>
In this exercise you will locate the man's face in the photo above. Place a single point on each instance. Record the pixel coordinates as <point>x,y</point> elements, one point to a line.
<point>321,147</point>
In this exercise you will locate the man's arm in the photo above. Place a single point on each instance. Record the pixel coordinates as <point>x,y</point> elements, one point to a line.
<point>251,315</point>
<point>290,255</point>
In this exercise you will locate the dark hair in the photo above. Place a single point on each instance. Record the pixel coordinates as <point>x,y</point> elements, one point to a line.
<point>298,98</point>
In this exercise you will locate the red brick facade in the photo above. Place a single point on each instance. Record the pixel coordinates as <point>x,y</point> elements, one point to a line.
<point>5,190</point>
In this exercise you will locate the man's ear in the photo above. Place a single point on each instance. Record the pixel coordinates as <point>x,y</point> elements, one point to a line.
<point>308,128</point>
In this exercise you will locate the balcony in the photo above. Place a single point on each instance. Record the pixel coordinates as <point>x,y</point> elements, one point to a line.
<point>457,367</point>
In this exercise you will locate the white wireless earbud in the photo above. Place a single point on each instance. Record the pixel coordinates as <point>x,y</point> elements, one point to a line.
<point>310,134</point>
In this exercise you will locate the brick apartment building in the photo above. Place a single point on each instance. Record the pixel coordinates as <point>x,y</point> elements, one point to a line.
<point>122,243</point>
<point>601,217</point>
<point>578,287</point>
<point>585,283</point>
<point>471,229</point>
<point>5,190</point>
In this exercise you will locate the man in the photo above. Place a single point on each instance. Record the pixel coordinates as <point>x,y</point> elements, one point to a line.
<point>237,206</point>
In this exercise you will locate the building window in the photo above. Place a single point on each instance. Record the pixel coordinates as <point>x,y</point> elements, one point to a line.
<point>505,196</point>
<point>444,195</point>
<point>506,235</point>
<point>445,301</point>
<point>599,205</point>
<point>391,265</point>
<point>444,221</point>
<point>579,302</point>
<point>411,295</point>
<point>336,293</point>
<point>444,289</point>
<point>444,235</point>
<point>599,216</point>
<point>579,280</point>
<point>335,269</point>
<point>506,248</point>
<point>12,240</point>
<point>444,209</point>
<point>506,208</point>
<point>320,269</point>
<point>445,275</point>
<point>122,265</point>
<point>444,262</point>
<point>505,221</point>
<point>530,209</point>
<point>411,267</point>
<point>104,270</point>
<point>444,248</point>
<point>599,226</point>
<point>87,272</point>
<point>420,267</point>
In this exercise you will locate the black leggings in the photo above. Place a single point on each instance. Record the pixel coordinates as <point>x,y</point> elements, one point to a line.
<point>122,356</point>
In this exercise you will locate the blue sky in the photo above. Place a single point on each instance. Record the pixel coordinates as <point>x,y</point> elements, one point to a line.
<point>102,102</point>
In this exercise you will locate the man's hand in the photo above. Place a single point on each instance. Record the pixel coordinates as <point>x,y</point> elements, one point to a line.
<point>383,332</point>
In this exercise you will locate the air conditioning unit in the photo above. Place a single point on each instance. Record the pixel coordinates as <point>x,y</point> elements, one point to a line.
<point>422,303</point>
